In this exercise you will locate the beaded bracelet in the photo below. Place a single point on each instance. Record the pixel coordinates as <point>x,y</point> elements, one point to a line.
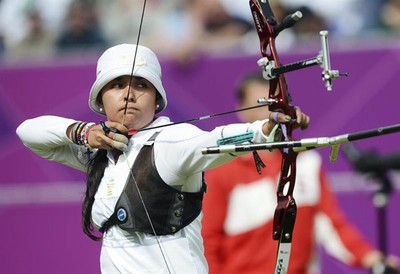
<point>80,133</point>
<point>75,131</point>
<point>84,137</point>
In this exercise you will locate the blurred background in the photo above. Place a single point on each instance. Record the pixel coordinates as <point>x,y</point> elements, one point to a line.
<point>48,54</point>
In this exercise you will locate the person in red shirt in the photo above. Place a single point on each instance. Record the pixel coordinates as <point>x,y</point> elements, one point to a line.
<point>239,208</point>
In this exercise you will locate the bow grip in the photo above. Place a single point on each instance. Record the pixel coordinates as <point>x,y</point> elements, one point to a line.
<point>284,219</point>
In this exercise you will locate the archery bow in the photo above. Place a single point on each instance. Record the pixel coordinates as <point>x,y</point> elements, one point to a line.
<point>268,29</point>
<point>285,212</point>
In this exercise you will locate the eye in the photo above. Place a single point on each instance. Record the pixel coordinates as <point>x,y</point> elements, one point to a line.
<point>142,83</point>
<point>117,84</point>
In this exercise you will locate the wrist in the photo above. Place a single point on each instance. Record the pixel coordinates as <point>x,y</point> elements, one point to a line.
<point>79,133</point>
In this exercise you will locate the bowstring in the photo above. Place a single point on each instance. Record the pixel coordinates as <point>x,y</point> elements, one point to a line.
<point>147,214</point>
<point>134,61</point>
<point>126,157</point>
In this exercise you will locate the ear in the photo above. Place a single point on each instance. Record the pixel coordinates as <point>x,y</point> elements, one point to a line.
<point>99,100</point>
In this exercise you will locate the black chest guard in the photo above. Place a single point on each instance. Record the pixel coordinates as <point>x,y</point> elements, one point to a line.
<point>168,208</point>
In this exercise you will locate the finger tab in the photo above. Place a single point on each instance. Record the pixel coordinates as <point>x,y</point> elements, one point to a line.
<point>120,146</point>
<point>120,138</point>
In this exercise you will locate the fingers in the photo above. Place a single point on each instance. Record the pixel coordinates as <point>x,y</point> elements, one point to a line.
<point>302,120</point>
<point>279,117</point>
<point>113,127</point>
<point>105,128</point>
<point>120,142</point>
<point>109,135</point>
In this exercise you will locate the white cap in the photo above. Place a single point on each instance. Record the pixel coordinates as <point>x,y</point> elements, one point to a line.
<point>118,61</point>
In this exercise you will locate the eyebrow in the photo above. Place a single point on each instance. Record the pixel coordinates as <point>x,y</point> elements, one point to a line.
<point>136,77</point>
<point>119,78</point>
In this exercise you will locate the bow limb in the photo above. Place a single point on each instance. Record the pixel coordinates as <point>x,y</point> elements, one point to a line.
<point>285,212</point>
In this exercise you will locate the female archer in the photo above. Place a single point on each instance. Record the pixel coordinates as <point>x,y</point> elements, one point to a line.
<point>145,176</point>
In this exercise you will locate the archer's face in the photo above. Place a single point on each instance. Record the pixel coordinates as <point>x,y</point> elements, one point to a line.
<point>141,97</point>
<point>254,91</point>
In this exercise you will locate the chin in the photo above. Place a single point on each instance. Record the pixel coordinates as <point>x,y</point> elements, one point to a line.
<point>130,121</point>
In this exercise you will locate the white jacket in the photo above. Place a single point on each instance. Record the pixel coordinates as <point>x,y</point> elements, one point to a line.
<point>180,163</point>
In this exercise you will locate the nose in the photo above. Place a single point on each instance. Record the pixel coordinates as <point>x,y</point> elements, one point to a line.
<point>130,94</point>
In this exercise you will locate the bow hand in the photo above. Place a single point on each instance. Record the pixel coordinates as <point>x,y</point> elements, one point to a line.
<point>301,120</point>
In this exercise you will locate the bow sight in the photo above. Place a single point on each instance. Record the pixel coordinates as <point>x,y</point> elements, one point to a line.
<point>270,71</point>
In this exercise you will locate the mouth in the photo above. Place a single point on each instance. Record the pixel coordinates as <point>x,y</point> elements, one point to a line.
<point>129,109</point>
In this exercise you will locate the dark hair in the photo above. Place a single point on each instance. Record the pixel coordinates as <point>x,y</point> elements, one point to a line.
<point>245,81</point>
<point>96,167</point>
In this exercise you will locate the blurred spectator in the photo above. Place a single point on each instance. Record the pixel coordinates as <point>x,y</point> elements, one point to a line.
<point>38,44</point>
<point>343,17</point>
<point>200,26</point>
<point>241,9</point>
<point>120,19</point>
<point>181,29</point>
<point>14,24</point>
<point>178,29</point>
<point>218,29</point>
<point>390,14</point>
<point>308,27</point>
<point>310,24</point>
<point>82,32</point>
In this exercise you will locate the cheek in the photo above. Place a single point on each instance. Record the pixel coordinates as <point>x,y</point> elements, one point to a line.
<point>151,99</point>
<point>109,98</point>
